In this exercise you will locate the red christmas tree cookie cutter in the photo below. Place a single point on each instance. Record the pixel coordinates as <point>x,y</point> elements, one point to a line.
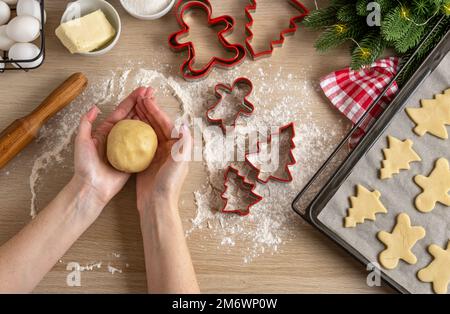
<point>287,128</point>
<point>187,68</point>
<point>253,198</point>
<point>251,8</point>
<point>245,108</point>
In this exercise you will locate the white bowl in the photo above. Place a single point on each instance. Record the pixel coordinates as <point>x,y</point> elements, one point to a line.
<point>81,8</point>
<point>149,16</point>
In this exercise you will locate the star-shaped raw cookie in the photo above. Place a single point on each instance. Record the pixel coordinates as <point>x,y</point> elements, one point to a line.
<point>435,187</point>
<point>397,157</point>
<point>364,206</point>
<point>400,242</point>
<point>438,271</point>
<point>433,116</point>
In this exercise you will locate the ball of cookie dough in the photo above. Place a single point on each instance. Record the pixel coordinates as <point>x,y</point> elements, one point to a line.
<point>131,146</point>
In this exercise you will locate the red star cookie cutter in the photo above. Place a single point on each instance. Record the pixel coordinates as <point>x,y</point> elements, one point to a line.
<point>251,8</point>
<point>246,107</point>
<point>248,187</point>
<point>292,161</point>
<point>187,68</point>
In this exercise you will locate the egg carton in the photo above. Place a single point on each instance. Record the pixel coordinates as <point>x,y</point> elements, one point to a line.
<point>7,64</point>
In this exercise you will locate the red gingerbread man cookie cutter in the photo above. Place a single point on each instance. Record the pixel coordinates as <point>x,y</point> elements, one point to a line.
<point>287,128</point>
<point>251,8</point>
<point>248,186</point>
<point>187,68</point>
<point>245,108</point>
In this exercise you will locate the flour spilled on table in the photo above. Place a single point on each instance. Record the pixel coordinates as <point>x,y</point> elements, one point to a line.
<point>271,221</point>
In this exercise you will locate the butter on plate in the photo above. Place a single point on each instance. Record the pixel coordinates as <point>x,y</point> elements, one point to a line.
<point>86,33</point>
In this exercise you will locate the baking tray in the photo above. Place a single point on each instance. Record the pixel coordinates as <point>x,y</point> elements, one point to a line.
<point>333,174</point>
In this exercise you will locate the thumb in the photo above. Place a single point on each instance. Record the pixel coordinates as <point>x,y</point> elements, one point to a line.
<point>85,128</point>
<point>182,149</point>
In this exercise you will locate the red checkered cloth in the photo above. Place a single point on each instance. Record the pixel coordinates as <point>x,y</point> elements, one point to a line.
<point>352,92</point>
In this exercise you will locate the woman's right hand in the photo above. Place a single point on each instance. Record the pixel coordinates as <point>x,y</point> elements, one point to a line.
<point>162,182</point>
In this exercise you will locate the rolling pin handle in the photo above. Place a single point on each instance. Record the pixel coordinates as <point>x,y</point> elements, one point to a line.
<point>22,131</point>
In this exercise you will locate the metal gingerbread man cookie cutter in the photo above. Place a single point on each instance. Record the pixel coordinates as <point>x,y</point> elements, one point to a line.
<point>187,68</point>
<point>245,107</point>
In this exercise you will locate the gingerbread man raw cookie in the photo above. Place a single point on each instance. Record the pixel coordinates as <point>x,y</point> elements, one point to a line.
<point>397,157</point>
<point>438,271</point>
<point>433,116</point>
<point>435,187</point>
<point>400,242</point>
<point>364,206</point>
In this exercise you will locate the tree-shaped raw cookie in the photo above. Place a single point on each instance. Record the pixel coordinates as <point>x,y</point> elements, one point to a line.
<point>438,271</point>
<point>397,157</point>
<point>435,187</point>
<point>400,242</point>
<point>364,206</point>
<point>433,116</point>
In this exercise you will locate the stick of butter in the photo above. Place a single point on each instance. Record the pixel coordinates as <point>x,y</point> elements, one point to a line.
<point>86,33</point>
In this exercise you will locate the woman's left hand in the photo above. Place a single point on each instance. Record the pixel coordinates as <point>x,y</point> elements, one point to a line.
<point>91,165</point>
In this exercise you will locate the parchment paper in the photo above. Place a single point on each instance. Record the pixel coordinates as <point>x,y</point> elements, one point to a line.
<point>399,192</point>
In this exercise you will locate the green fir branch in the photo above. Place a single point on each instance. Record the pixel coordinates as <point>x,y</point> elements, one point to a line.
<point>369,48</point>
<point>410,40</point>
<point>395,25</point>
<point>321,18</point>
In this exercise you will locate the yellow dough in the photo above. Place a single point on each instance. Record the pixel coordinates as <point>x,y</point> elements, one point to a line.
<point>433,116</point>
<point>438,271</point>
<point>397,157</point>
<point>131,146</point>
<point>364,206</point>
<point>400,242</point>
<point>435,187</point>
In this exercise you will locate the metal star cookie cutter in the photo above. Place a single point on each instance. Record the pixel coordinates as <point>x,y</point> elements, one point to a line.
<point>246,107</point>
<point>253,198</point>
<point>287,128</point>
<point>251,8</point>
<point>187,68</point>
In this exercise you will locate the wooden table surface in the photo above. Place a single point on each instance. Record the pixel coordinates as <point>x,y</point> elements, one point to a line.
<point>307,263</point>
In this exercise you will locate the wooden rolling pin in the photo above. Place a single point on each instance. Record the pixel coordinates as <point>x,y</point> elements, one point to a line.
<point>22,131</point>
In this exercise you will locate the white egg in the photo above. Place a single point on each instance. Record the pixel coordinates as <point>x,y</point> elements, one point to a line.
<point>5,41</point>
<point>10,2</point>
<point>23,29</point>
<point>5,13</point>
<point>29,7</point>
<point>25,51</point>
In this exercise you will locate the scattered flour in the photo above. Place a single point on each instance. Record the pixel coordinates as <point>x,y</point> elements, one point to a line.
<point>227,241</point>
<point>272,221</point>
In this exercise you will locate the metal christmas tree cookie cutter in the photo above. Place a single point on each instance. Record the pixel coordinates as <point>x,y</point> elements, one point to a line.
<point>251,8</point>
<point>250,187</point>
<point>287,128</point>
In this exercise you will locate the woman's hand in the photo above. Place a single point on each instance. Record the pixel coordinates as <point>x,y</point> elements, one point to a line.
<point>91,166</point>
<point>162,181</point>
<point>167,259</point>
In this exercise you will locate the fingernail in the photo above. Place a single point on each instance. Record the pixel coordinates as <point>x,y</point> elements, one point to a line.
<point>95,108</point>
